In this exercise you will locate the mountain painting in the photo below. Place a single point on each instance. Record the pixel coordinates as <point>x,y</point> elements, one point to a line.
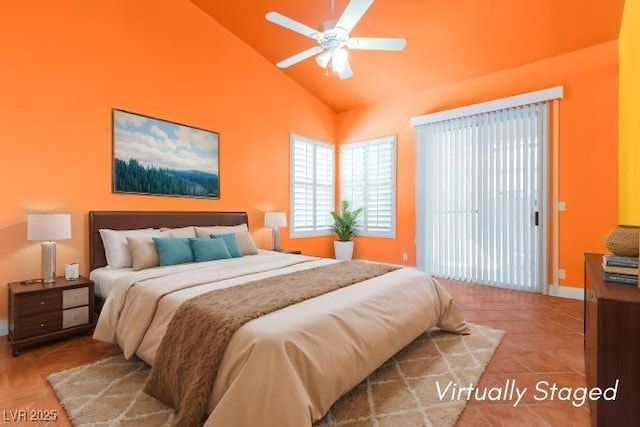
<point>153,156</point>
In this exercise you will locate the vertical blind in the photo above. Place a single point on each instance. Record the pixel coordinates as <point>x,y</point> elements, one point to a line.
<point>312,184</point>
<point>367,180</point>
<point>480,197</point>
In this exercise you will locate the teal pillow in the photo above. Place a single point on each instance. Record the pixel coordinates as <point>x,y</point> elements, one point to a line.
<point>173,250</point>
<point>231,242</point>
<point>209,249</point>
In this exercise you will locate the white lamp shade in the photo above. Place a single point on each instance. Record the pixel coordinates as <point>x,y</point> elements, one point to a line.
<point>48,226</point>
<point>275,219</point>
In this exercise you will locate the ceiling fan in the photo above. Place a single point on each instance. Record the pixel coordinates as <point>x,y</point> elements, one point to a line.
<point>334,40</point>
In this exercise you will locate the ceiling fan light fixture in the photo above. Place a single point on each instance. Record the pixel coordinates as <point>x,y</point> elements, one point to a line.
<point>323,59</point>
<point>339,59</point>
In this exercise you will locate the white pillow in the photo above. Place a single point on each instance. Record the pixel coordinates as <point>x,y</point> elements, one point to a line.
<point>220,229</point>
<point>116,249</point>
<point>178,232</point>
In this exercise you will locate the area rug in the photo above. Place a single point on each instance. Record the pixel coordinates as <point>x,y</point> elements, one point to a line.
<point>402,392</point>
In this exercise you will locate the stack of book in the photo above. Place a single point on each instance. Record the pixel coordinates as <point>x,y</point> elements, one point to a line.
<point>620,269</point>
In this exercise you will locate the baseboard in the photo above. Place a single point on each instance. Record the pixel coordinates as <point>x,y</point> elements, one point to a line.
<point>4,327</point>
<point>566,292</point>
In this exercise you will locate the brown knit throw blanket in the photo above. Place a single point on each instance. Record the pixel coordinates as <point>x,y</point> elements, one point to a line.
<point>187,360</point>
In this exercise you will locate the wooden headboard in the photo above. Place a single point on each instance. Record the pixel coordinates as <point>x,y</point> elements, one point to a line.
<point>128,220</point>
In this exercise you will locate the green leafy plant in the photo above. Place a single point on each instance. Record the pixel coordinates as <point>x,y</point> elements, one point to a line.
<point>344,223</point>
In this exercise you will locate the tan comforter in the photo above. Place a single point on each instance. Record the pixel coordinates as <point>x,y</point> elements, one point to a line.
<point>288,367</point>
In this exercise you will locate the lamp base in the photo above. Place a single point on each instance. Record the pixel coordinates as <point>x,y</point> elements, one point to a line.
<point>276,239</point>
<point>48,266</point>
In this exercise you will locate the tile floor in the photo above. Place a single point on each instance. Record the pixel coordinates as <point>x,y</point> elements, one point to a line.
<point>543,342</point>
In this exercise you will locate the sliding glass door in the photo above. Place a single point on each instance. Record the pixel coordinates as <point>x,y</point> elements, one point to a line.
<point>481,199</point>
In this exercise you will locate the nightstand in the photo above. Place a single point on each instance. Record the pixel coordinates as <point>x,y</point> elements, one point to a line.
<point>290,251</point>
<point>43,312</point>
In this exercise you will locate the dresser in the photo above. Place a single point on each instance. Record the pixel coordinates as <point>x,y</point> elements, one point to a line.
<point>612,345</point>
<point>43,312</point>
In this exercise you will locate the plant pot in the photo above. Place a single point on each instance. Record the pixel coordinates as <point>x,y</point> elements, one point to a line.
<point>624,240</point>
<point>343,250</point>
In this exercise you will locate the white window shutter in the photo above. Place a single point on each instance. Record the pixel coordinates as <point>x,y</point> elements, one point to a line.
<point>312,183</point>
<point>367,180</point>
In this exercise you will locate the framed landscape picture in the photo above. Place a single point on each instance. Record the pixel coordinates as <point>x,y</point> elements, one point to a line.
<point>159,157</point>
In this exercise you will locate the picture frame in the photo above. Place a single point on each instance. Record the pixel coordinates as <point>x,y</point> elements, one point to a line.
<point>159,157</point>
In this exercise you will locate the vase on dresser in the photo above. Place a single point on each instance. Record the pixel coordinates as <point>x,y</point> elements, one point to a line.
<point>624,240</point>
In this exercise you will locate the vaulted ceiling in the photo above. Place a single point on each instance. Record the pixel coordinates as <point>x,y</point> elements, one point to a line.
<point>447,40</point>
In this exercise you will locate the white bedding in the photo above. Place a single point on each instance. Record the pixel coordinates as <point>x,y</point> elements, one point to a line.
<point>287,367</point>
<point>104,278</point>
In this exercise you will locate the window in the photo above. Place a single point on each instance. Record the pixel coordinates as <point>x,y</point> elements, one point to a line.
<point>368,180</point>
<point>312,183</point>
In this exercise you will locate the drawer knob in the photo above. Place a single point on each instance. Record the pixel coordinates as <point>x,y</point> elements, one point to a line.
<point>42,325</point>
<point>41,302</point>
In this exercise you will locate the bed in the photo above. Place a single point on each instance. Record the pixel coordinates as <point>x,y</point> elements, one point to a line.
<point>288,366</point>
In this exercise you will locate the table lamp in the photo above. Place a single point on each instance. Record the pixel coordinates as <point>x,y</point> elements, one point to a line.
<point>48,227</point>
<point>275,221</point>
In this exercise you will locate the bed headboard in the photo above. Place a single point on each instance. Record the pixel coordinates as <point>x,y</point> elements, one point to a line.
<point>126,220</point>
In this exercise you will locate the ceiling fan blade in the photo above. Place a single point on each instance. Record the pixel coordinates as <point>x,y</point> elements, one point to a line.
<point>292,25</point>
<point>299,57</point>
<point>376,43</point>
<point>346,71</point>
<point>353,13</point>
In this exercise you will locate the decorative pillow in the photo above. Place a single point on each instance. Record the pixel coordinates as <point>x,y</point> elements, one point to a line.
<point>179,232</point>
<point>209,249</point>
<point>243,237</point>
<point>143,252</point>
<point>173,250</point>
<point>231,242</point>
<point>115,245</point>
<point>245,243</point>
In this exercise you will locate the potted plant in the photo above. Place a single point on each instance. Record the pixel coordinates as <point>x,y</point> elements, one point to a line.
<point>344,227</point>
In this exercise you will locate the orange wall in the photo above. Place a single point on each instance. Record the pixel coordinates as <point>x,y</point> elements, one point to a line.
<point>65,64</point>
<point>587,150</point>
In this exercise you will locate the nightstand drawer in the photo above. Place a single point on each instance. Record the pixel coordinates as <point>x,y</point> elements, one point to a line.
<point>40,302</point>
<point>40,324</point>
<point>75,297</point>
<point>75,316</point>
